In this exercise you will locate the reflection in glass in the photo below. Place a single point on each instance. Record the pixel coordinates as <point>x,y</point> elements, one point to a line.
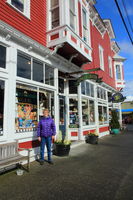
<point>38,71</point>
<point>72,87</point>
<point>61,85</point>
<point>73,113</point>
<point>23,66</point>
<point>2,56</point>
<point>49,75</point>
<point>19,4</point>
<point>2,87</point>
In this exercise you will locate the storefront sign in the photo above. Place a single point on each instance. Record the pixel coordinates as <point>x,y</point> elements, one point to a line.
<point>88,77</point>
<point>118,97</point>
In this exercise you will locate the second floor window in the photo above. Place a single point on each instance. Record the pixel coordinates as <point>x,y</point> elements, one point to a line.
<point>2,56</point>
<point>84,25</point>
<point>54,13</point>
<point>118,72</point>
<point>110,66</point>
<point>19,4</point>
<point>72,14</point>
<point>101,58</point>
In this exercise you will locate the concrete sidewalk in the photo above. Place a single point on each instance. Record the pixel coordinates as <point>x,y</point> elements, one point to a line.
<point>103,172</point>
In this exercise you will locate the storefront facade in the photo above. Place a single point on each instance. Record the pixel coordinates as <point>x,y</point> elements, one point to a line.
<point>34,76</point>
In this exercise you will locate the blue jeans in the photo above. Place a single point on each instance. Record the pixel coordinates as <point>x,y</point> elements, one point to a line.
<point>45,141</point>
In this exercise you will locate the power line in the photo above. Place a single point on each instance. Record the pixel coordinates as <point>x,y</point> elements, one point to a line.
<point>123,21</point>
<point>127,15</point>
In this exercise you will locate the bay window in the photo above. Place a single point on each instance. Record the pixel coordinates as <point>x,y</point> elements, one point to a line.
<point>2,90</point>
<point>118,72</point>
<point>2,56</point>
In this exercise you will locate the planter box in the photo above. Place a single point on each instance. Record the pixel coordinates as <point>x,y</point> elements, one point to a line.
<point>91,139</point>
<point>115,131</point>
<point>61,150</point>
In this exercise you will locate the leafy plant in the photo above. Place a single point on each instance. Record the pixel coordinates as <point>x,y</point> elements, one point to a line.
<point>92,134</point>
<point>114,123</point>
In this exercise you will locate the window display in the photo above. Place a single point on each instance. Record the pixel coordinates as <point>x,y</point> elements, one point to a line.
<point>2,87</point>
<point>103,117</point>
<point>46,100</point>
<point>85,112</point>
<point>26,108</point>
<point>73,113</point>
<point>2,56</point>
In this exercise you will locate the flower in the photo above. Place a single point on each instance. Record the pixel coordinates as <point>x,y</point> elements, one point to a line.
<point>61,140</point>
<point>92,134</point>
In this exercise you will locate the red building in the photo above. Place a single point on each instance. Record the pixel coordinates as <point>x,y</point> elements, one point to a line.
<point>43,46</point>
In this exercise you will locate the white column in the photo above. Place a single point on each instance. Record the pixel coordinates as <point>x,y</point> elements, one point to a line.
<point>12,67</point>
<point>120,115</point>
<point>80,132</point>
<point>56,98</point>
<point>66,91</point>
<point>96,110</point>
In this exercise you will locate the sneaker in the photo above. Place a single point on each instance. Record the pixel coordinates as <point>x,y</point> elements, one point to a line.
<point>50,162</point>
<point>41,162</point>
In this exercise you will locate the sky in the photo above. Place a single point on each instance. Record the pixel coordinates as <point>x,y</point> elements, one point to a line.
<point>108,10</point>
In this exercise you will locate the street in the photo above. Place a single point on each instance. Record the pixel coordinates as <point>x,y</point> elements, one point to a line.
<point>102,172</point>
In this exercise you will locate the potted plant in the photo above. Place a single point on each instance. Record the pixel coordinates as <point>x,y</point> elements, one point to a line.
<point>91,138</point>
<point>114,123</point>
<point>61,146</point>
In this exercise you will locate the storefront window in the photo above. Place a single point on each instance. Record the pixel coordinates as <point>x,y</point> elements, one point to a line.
<point>26,108</point>
<point>49,75</point>
<point>2,56</point>
<point>23,66</point>
<point>38,74</point>
<point>103,117</point>
<point>87,88</point>
<point>92,112</point>
<point>92,90</point>
<point>101,93</point>
<point>73,113</point>
<point>2,87</point>
<point>85,112</point>
<point>83,87</point>
<point>61,85</point>
<point>72,87</point>
<point>46,100</point>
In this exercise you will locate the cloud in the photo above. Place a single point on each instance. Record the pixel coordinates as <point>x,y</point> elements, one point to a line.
<point>126,47</point>
<point>130,11</point>
<point>128,90</point>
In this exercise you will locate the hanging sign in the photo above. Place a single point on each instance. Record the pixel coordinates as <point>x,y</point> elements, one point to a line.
<point>118,97</point>
<point>89,76</point>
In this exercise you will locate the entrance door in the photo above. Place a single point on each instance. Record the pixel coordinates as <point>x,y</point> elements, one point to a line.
<point>62,116</point>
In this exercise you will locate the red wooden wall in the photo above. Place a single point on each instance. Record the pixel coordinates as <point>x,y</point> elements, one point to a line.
<point>35,27</point>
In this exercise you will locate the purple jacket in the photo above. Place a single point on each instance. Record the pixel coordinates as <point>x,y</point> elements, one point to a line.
<point>46,127</point>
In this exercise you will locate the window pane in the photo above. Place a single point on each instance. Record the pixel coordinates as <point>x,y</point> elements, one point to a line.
<point>92,90</point>
<point>118,72</point>
<point>46,100</point>
<point>72,20</point>
<point>38,71</point>
<point>19,4</point>
<point>2,57</point>
<point>26,108</point>
<point>61,85</point>
<point>23,66</point>
<point>49,75</point>
<point>72,87</point>
<point>85,112</point>
<point>73,112</point>
<point>83,87</point>
<point>72,5</point>
<point>55,17</point>
<point>84,18</point>
<point>100,112</point>
<point>54,3</point>
<point>92,112</point>
<point>88,89</point>
<point>105,115</point>
<point>2,87</point>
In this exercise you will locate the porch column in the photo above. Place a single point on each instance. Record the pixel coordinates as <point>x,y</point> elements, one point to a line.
<point>80,131</point>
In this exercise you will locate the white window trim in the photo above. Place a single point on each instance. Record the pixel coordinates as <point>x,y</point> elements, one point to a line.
<point>110,66</point>
<point>26,12</point>
<point>101,57</point>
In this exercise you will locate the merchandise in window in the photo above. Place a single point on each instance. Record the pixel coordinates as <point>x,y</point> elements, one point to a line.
<point>73,87</point>
<point>19,4</point>
<point>2,88</point>
<point>38,71</point>
<point>103,117</point>
<point>26,108</point>
<point>46,100</point>
<point>49,75</point>
<point>92,112</point>
<point>73,113</point>
<point>2,56</point>
<point>23,66</point>
<point>85,112</point>
<point>55,13</point>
